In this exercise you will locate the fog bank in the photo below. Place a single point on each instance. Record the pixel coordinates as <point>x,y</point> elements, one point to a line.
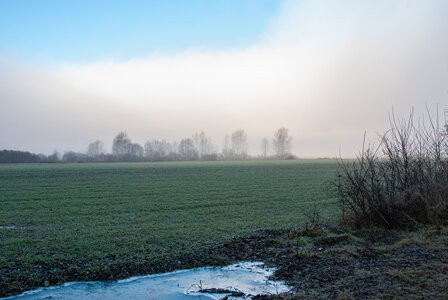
<point>326,70</point>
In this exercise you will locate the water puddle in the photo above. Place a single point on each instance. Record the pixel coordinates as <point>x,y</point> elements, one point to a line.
<point>238,281</point>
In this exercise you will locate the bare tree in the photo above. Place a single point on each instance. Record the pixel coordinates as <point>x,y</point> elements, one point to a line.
<point>135,150</point>
<point>445,130</point>
<point>157,150</point>
<point>203,145</point>
<point>282,143</point>
<point>239,144</point>
<point>149,150</point>
<point>95,149</point>
<point>264,148</point>
<point>187,150</point>
<point>226,151</point>
<point>195,141</point>
<point>121,144</point>
<point>173,151</point>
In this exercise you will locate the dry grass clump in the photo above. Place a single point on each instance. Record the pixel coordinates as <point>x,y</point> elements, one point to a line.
<point>402,181</point>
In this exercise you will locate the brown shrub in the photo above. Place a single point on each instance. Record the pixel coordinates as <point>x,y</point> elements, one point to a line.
<point>401,182</point>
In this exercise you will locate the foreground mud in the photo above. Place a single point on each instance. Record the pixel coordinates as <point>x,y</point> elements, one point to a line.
<point>321,262</point>
<point>331,263</point>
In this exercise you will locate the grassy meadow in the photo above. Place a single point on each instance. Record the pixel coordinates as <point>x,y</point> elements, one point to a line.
<point>84,218</point>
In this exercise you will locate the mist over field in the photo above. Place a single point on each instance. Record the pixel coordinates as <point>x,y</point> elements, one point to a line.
<point>327,71</point>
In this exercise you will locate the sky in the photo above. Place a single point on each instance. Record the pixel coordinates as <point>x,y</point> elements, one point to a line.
<point>72,72</point>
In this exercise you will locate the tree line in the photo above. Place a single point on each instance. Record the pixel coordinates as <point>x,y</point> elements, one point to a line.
<point>195,148</point>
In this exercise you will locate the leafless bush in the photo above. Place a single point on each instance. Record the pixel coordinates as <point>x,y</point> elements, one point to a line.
<point>402,181</point>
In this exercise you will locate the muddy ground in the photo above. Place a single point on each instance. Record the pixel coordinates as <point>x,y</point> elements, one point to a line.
<point>319,262</point>
<point>337,264</point>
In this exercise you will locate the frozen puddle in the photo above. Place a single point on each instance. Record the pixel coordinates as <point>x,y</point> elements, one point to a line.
<point>244,279</point>
<point>10,227</point>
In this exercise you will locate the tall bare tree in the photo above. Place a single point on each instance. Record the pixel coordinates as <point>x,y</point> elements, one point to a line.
<point>187,150</point>
<point>121,144</point>
<point>239,144</point>
<point>226,151</point>
<point>135,150</point>
<point>95,149</point>
<point>157,150</point>
<point>282,143</point>
<point>203,145</point>
<point>264,148</point>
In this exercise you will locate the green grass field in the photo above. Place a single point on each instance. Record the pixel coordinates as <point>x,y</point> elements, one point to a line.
<point>100,213</point>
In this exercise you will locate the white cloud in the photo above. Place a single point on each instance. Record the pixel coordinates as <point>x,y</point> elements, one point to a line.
<point>328,70</point>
